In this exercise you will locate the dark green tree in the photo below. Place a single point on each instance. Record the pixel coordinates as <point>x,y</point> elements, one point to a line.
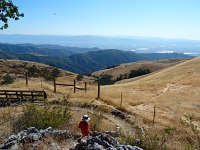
<point>8,10</point>
<point>139,72</point>
<point>7,79</point>
<point>49,74</point>
<point>106,79</point>
<point>55,73</point>
<point>79,77</point>
<point>33,71</point>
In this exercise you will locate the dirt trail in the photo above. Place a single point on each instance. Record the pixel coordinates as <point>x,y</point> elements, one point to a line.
<point>124,125</point>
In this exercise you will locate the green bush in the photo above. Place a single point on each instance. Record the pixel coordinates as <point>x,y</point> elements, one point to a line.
<point>79,77</point>
<point>106,79</point>
<point>33,71</point>
<point>139,72</point>
<point>42,117</point>
<point>96,121</point>
<point>149,140</point>
<point>7,79</point>
<point>49,74</point>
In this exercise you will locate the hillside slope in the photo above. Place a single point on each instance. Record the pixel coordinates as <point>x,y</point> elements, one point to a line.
<point>125,69</point>
<point>84,63</point>
<point>175,92</point>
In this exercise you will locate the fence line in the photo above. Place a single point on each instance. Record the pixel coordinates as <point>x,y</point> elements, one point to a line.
<point>74,85</point>
<point>6,96</point>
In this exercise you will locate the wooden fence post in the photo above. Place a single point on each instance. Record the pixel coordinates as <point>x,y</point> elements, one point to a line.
<point>26,79</point>
<point>154,114</point>
<point>54,81</point>
<point>74,86</point>
<point>85,87</point>
<point>121,100</point>
<point>98,89</point>
<point>32,97</point>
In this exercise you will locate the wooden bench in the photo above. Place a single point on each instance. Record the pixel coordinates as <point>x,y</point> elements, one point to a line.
<point>12,96</point>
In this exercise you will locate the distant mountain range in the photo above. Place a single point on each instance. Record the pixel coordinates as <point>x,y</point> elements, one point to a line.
<point>90,60</point>
<point>136,44</point>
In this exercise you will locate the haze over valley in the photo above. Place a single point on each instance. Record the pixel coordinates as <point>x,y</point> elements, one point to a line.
<point>131,43</point>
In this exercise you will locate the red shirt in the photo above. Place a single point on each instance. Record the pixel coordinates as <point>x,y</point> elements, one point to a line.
<point>83,125</point>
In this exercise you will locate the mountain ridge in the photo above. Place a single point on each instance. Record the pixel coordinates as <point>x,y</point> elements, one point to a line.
<point>82,63</point>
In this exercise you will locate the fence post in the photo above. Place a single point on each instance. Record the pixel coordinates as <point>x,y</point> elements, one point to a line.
<point>98,89</point>
<point>121,100</point>
<point>54,81</point>
<point>85,87</point>
<point>26,79</point>
<point>154,114</point>
<point>74,86</point>
<point>41,83</point>
<point>7,101</point>
<point>32,97</point>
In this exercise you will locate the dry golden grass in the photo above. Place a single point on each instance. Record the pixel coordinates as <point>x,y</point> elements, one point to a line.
<point>175,92</point>
<point>127,67</point>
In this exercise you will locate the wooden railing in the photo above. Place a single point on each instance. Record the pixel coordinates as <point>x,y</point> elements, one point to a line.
<point>11,96</point>
<point>74,85</point>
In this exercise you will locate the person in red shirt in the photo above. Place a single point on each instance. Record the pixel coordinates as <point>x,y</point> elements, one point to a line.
<point>84,126</point>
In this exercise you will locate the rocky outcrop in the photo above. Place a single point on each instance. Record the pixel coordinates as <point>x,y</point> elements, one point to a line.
<point>33,137</point>
<point>103,141</point>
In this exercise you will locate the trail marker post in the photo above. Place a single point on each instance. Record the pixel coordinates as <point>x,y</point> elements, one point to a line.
<point>54,81</point>
<point>121,100</point>
<point>85,87</point>
<point>98,90</point>
<point>74,86</point>
<point>26,79</point>
<point>154,114</point>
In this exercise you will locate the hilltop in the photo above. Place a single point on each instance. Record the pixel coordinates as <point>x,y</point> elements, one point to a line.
<point>19,68</point>
<point>78,60</point>
<point>126,68</point>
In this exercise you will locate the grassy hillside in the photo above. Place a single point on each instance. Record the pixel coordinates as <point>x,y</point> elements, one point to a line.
<point>19,68</point>
<point>174,92</point>
<point>126,68</point>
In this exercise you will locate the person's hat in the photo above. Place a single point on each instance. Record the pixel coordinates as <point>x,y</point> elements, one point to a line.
<point>85,118</point>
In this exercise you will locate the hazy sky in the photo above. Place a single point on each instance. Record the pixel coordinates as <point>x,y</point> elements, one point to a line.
<point>151,18</point>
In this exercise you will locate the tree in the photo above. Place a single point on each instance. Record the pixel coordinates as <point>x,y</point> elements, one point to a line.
<point>49,74</point>
<point>139,72</point>
<point>7,79</point>
<point>79,77</point>
<point>106,79</point>
<point>8,10</point>
<point>33,71</point>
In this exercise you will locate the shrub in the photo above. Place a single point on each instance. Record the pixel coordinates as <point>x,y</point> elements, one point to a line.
<point>191,129</point>
<point>96,121</point>
<point>149,140</point>
<point>7,79</point>
<point>79,77</point>
<point>50,74</point>
<point>43,117</point>
<point>139,72</point>
<point>106,79</point>
<point>33,71</point>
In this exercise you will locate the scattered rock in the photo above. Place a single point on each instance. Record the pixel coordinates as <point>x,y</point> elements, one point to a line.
<point>33,137</point>
<point>103,142</point>
<point>118,113</point>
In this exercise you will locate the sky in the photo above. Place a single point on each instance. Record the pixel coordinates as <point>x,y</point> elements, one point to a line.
<point>178,19</point>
